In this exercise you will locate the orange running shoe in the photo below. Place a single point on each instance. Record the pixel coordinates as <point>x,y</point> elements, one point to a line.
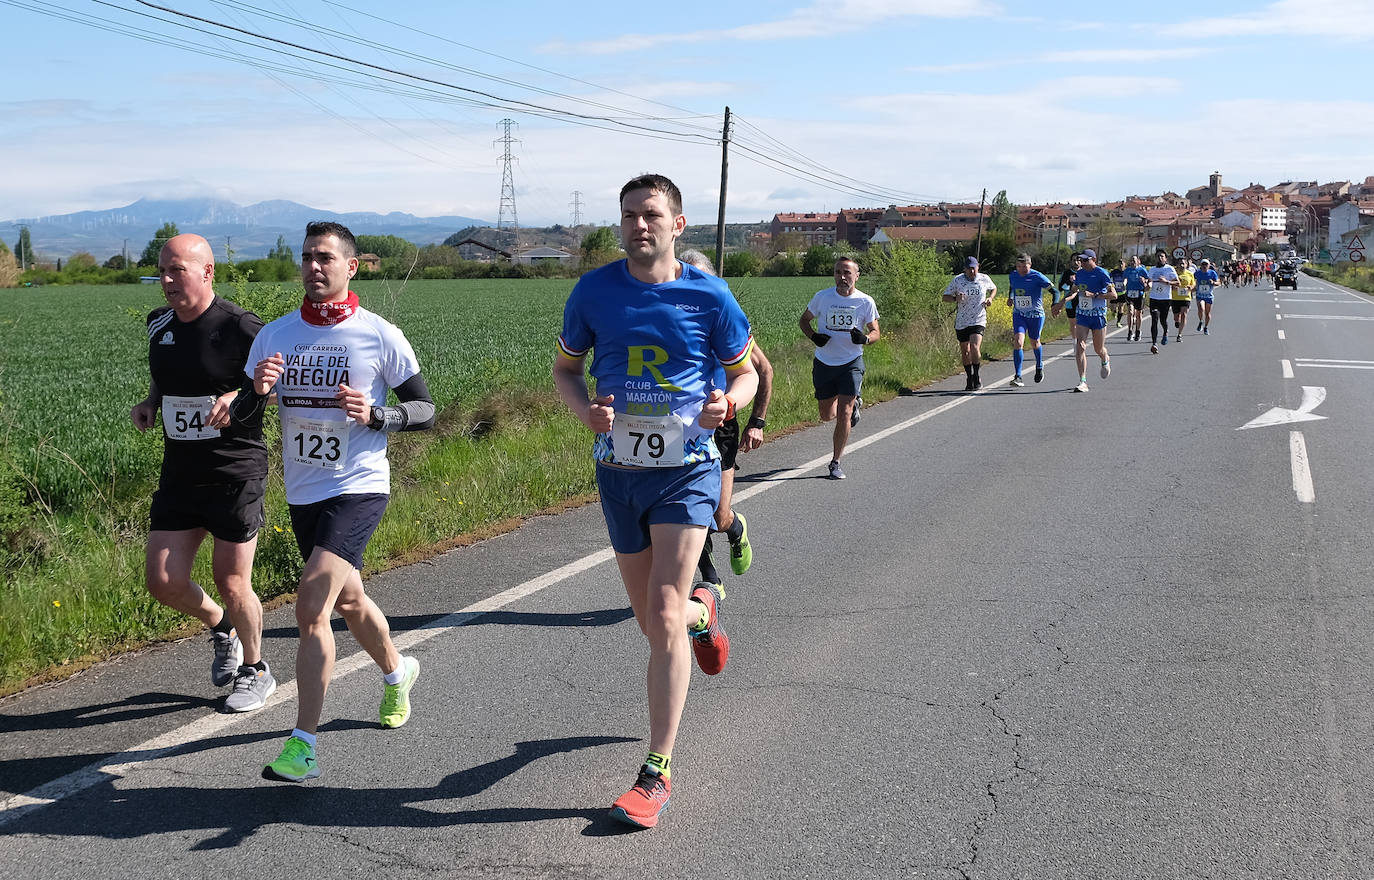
<point>711,645</point>
<point>645,801</point>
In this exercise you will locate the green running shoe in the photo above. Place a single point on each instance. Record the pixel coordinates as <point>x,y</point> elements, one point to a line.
<point>741,554</point>
<point>295,763</point>
<point>395,709</point>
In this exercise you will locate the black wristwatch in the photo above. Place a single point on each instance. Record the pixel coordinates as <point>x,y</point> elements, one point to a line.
<point>756,422</point>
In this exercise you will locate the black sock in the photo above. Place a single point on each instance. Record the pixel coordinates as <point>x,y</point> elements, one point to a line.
<point>260,666</point>
<point>735,530</point>
<point>706,565</point>
<point>975,370</point>
<point>224,624</point>
<point>968,370</point>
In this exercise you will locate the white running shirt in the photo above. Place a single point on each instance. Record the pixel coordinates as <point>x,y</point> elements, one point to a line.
<point>325,454</point>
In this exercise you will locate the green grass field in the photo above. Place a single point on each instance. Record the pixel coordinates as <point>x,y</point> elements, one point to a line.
<point>73,361</point>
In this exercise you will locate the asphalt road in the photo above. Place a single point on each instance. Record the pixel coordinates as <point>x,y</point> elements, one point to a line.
<point>1035,634</point>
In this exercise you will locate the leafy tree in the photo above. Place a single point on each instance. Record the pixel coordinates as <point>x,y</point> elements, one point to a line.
<point>742,263</point>
<point>282,251</point>
<point>1052,259</point>
<point>599,247</point>
<point>150,252</point>
<point>819,259</point>
<point>786,243</point>
<point>23,249</point>
<point>784,265</point>
<point>116,262</point>
<point>386,246</point>
<point>1003,217</point>
<point>908,278</point>
<point>997,253</point>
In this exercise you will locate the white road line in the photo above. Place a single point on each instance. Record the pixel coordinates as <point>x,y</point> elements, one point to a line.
<point>1287,368</point>
<point>1278,317</point>
<point>1281,336</point>
<point>1327,300</point>
<point>1302,473</point>
<point>1336,317</point>
<point>118,765</point>
<point>1337,366</point>
<point>1332,361</point>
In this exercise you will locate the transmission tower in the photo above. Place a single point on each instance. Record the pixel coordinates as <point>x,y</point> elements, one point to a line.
<point>507,219</point>
<point>576,205</point>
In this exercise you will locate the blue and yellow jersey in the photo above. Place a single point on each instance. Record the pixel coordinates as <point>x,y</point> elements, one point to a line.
<point>655,348</point>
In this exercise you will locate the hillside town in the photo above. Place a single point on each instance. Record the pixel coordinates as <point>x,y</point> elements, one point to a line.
<point>1327,222</point>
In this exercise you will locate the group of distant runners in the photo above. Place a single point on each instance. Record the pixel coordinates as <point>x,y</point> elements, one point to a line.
<point>674,359</point>
<point>1087,295</point>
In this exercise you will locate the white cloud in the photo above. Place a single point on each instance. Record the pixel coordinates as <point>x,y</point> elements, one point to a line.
<point>1119,56</point>
<point>817,20</point>
<point>1339,19</point>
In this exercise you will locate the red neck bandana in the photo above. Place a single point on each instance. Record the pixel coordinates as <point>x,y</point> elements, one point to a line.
<point>327,314</point>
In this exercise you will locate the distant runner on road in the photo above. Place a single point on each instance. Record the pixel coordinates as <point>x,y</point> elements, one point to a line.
<point>1163,281</point>
<point>331,363</point>
<point>1026,295</point>
<point>1206,285</point>
<point>1137,277</point>
<point>973,292</point>
<point>848,321</point>
<point>1092,292</point>
<point>213,473</point>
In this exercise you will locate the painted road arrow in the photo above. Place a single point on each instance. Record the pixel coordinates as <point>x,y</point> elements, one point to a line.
<point>1312,397</point>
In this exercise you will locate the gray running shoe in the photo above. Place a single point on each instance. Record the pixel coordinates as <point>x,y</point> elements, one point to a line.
<point>228,657</point>
<point>835,472</point>
<point>1016,382</point>
<point>251,689</point>
<point>854,413</point>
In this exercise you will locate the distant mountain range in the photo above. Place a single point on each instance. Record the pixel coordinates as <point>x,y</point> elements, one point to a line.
<point>251,231</point>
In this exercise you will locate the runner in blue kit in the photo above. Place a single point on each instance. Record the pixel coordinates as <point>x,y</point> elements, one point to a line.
<point>658,327</point>
<point>1119,282</point>
<point>1137,278</point>
<point>1207,279</point>
<point>1092,292</point>
<point>1026,295</point>
<point>331,364</point>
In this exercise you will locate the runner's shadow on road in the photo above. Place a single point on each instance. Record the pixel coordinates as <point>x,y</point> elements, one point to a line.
<point>236,814</point>
<point>137,707</point>
<point>768,476</point>
<point>408,622</point>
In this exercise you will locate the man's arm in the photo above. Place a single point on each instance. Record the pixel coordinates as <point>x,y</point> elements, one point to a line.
<point>809,331</point>
<point>413,412</point>
<point>570,378</point>
<point>144,413</point>
<point>752,438</point>
<point>741,383</point>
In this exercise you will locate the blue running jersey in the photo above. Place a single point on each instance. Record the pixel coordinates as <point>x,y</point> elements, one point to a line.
<point>1092,297</point>
<point>1026,293</point>
<point>656,347</point>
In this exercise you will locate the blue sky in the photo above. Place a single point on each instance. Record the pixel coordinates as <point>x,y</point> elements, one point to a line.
<point>888,100</point>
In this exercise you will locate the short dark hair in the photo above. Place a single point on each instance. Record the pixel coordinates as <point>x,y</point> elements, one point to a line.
<point>846,258</point>
<point>655,183</point>
<point>1023,256</point>
<point>317,228</point>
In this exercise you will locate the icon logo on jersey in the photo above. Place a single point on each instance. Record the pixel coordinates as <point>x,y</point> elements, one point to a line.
<point>687,307</point>
<point>166,339</point>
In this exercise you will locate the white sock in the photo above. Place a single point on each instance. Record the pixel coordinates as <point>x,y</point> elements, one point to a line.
<point>398,676</point>
<point>301,734</point>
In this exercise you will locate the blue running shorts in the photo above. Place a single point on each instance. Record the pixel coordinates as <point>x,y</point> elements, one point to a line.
<point>1031,325</point>
<point>635,498</point>
<point>1092,322</point>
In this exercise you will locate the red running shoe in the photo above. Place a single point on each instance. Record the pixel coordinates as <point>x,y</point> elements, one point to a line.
<point>711,645</point>
<point>642,804</point>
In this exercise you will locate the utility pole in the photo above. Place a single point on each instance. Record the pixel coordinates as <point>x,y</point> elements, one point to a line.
<point>126,253</point>
<point>576,205</point>
<point>228,249</point>
<point>724,174</point>
<point>507,219</point>
<point>978,244</point>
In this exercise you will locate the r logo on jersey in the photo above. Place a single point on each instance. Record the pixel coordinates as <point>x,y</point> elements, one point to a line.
<point>166,339</point>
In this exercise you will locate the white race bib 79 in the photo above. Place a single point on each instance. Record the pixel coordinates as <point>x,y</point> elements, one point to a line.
<point>647,441</point>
